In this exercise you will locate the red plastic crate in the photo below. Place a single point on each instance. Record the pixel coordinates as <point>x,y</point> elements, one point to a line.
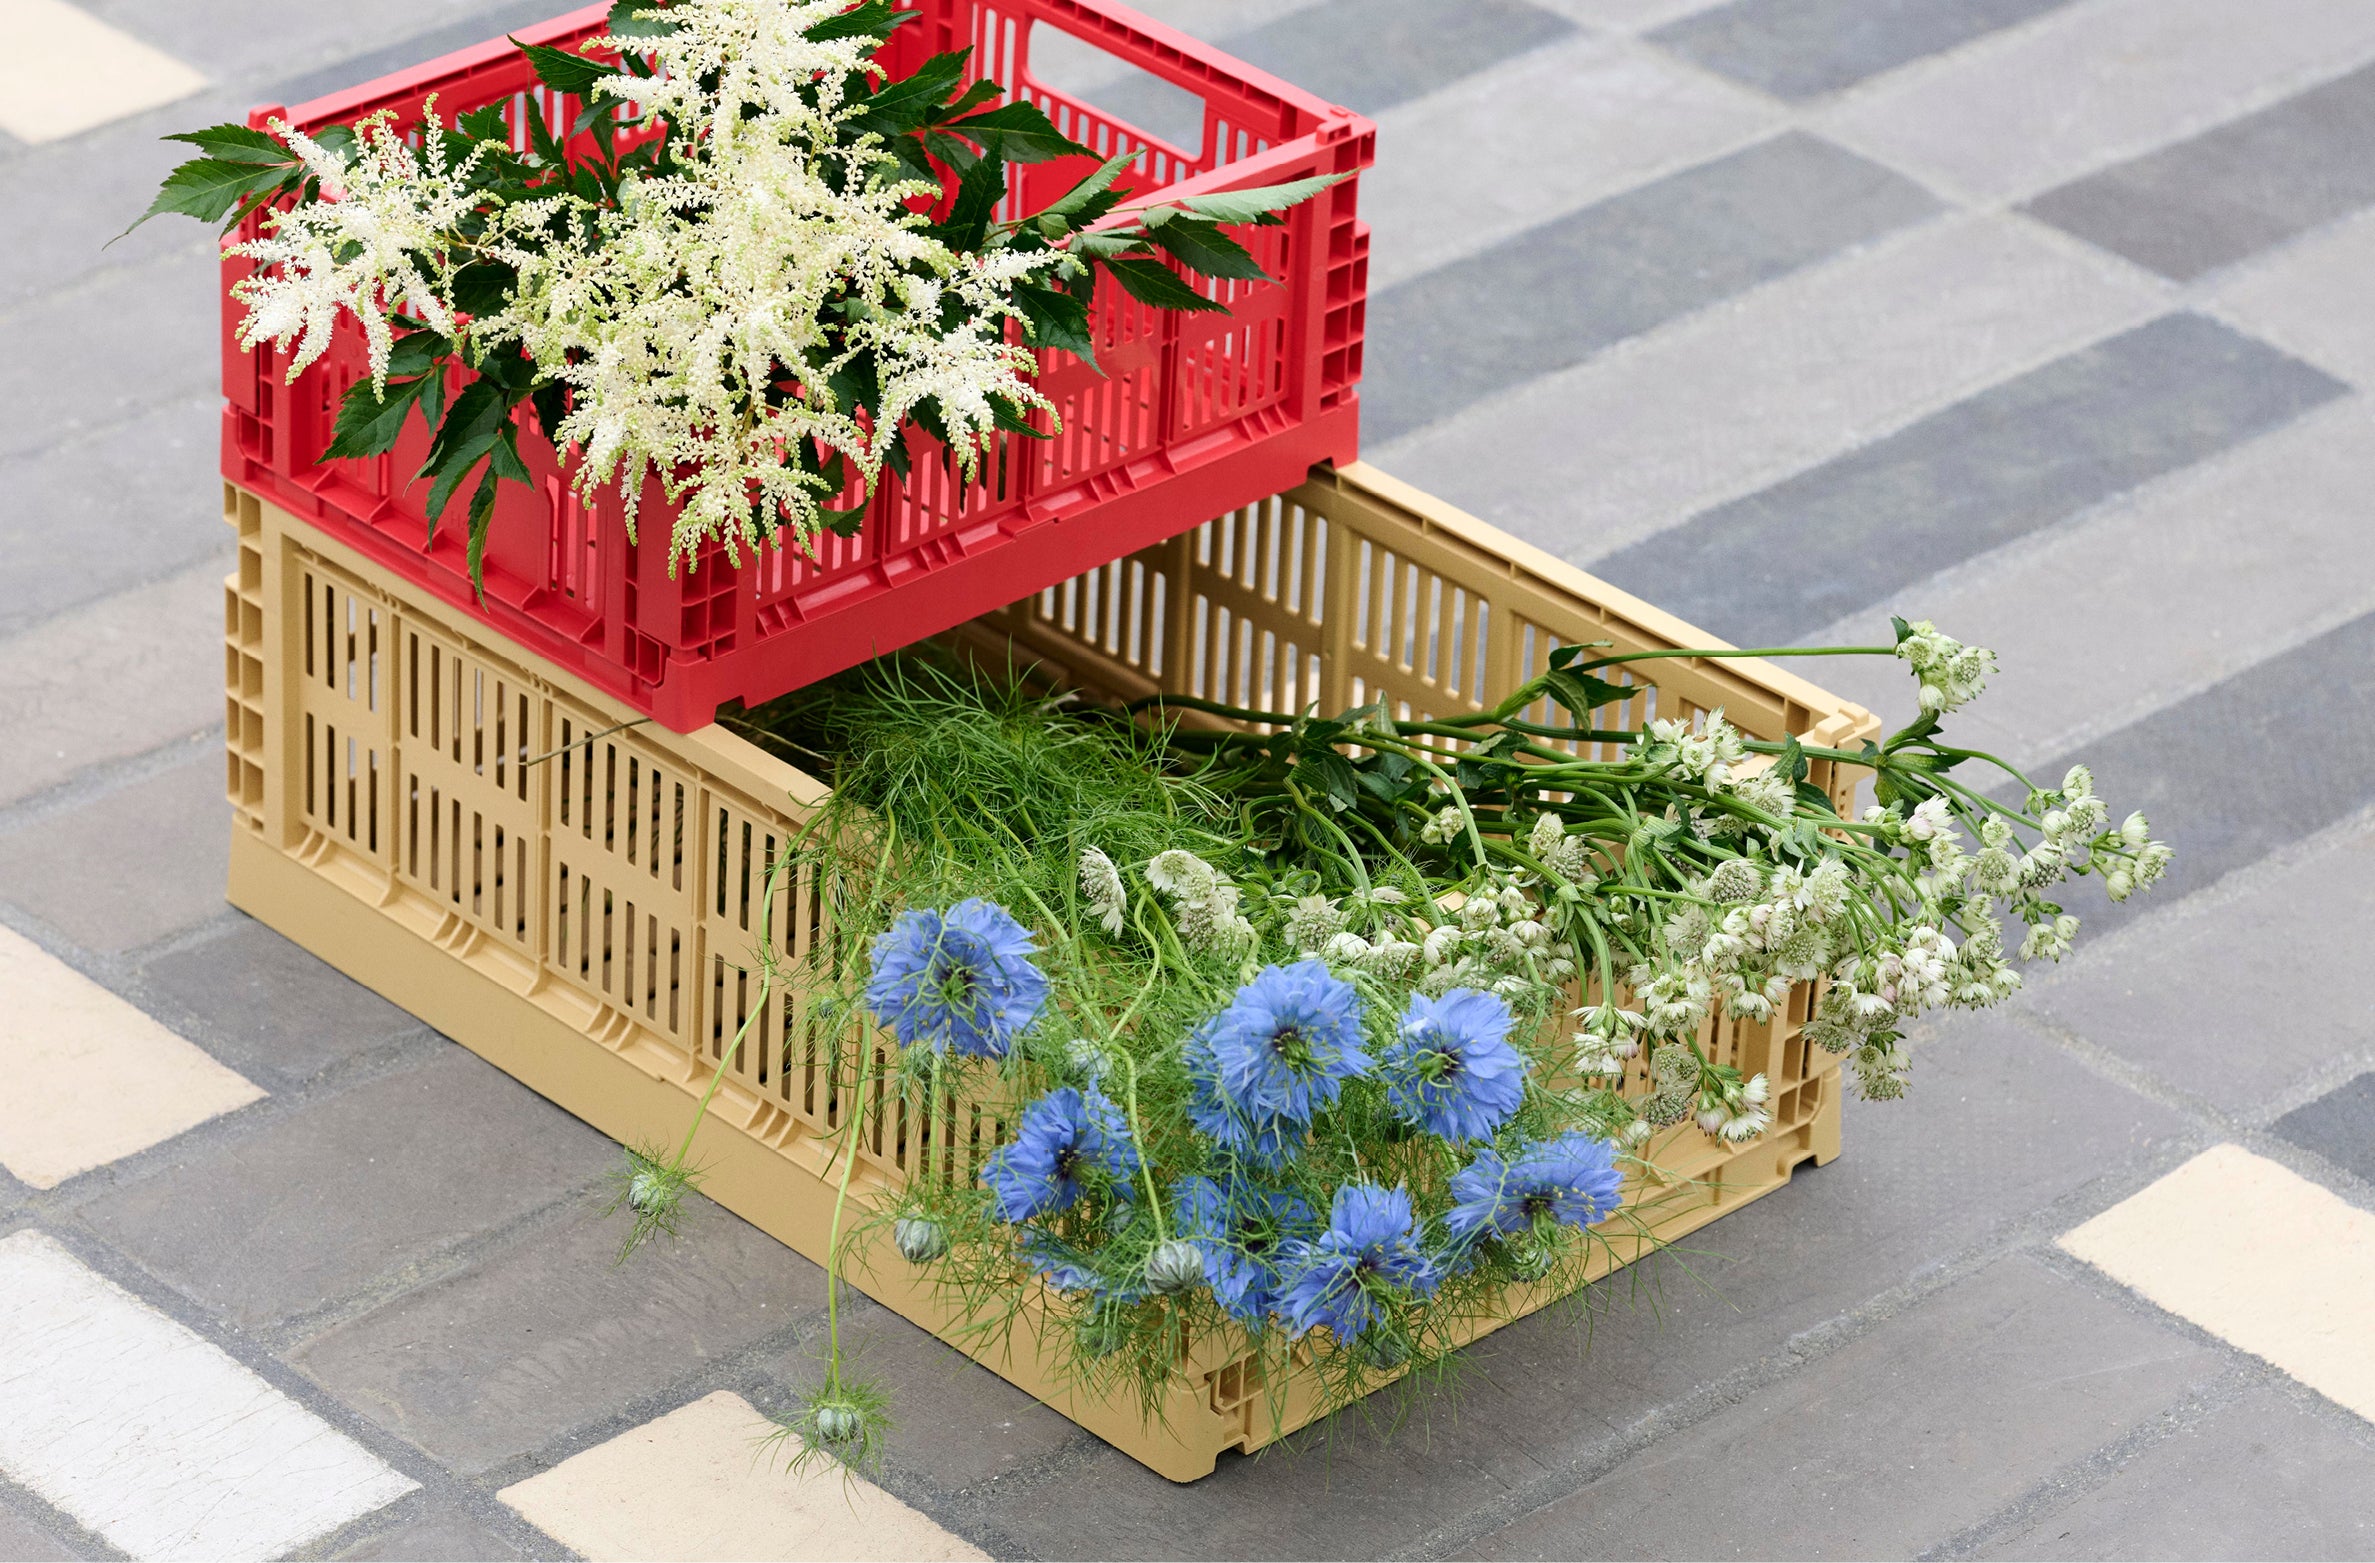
<point>1192,417</point>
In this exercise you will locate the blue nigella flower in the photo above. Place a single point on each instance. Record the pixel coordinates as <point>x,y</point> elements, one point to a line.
<point>1242,1230</point>
<point>1370,1245</point>
<point>1572,1179</point>
<point>1264,1139</point>
<point>1288,1041</point>
<point>1063,1134</point>
<point>961,979</point>
<point>1450,1069</point>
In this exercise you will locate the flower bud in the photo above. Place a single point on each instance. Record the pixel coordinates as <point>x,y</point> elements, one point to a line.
<point>2134,830</point>
<point>1175,1266</point>
<point>646,1192</point>
<point>920,1240</point>
<point>839,1422</point>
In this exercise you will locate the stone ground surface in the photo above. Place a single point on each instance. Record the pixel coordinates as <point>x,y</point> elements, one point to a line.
<point>2046,319</point>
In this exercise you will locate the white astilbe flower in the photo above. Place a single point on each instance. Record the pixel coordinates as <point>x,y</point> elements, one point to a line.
<point>1951,673</point>
<point>375,245</point>
<point>1101,887</point>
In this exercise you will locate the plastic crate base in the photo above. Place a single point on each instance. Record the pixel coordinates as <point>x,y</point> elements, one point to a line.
<point>785,1187</point>
<point>464,828</point>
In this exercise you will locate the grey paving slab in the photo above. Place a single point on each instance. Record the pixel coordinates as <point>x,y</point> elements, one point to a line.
<point>1550,296</point>
<point>129,866</point>
<point>1805,48</point>
<point>1895,1442</point>
<point>1994,467</point>
<point>364,1186</point>
<point>957,1425</point>
<point>2264,1477</point>
<point>96,354</point>
<point>1999,1126</point>
<point>443,1532</point>
<point>2340,1126</point>
<point>22,1541</point>
<point>2279,751</point>
<point>267,1007</point>
<point>112,679</point>
<point>2213,1004</point>
<point>551,1335</point>
<point>2233,191</point>
<point>114,509</point>
<point>1372,54</point>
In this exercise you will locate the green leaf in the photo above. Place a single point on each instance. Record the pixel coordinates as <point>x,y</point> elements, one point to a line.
<point>1791,762</point>
<point>368,426</point>
<point>1074,202</point>
<point>239,144</point>
<point>964,103</point>
<point>207,188</point>
<point>874,19</point>
<point>1012,418</point>
<point>1812,797</point>
<point>901,105</point>
<point>1912,732</point>
<point>1244,206</point>
<point>563,71</point>
<point>1330,775</point>
<point>467,434</point>
<point>1201,246</point>
<point>1561,656</point>
<point>1581,693</point>
<point>1152,282</point>
<point>504,460</point>
<point>1903,629</point>
<point>624,23</point>
<point>415,351</point>
<point>978,195</point>
<point>482,520</point>
<point>1021,133</point>
<point>1054,318</point>
<point>483,287</point>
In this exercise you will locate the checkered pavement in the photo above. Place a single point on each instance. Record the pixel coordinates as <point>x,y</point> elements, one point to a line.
<point>2046,319</point>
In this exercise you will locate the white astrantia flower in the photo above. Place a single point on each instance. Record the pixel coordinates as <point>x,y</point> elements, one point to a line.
<point>1101,887</point>
<point>1951,673</point>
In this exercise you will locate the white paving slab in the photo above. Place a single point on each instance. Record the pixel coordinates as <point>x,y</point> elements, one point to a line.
<point>1786,376</point>
<point>151,1436</point>
<point>2151,599</point>
<point>2257,1255</point>
<point>2008,116</point>
<point>1460,170</point>
<point>695,1484</point>
<point>69,71</point>
<point>2311,298</point>
<point>85,1078</point>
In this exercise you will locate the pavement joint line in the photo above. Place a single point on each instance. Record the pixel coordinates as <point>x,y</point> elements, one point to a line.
<point>2096,1469</point>
<point>226,1130</point>
<point>2032,1235</point>
<point>18,1499</point>
<point>2208,900</point>
<point>433,1266</point>
<point>244,1348</point>
<point>2287,1285</point>
<point>482,1508</point>
<point>160,1433</point>
<point>105,777</point>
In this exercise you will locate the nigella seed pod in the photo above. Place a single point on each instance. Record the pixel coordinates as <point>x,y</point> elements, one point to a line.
<point>1175,1266</point>
<point>646,1191</point>
<point>839,1422</point>
<point>920,1239</point>
<point>1104,1331</point>
<point>1381,1351</point>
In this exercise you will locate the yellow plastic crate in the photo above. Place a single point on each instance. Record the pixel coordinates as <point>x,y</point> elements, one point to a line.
<point>456,824</point>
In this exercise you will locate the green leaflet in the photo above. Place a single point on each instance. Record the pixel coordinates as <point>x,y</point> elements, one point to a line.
<point>563,71</point>
<point>1245,206</point>
<point>1152,282</point>
<point>1202,246</point>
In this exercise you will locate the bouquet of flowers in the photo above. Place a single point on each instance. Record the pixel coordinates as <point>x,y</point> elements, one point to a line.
<point>753,263</point>
<point>1327,1032</point>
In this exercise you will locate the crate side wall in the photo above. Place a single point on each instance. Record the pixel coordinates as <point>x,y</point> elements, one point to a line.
<point>439,765</point>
